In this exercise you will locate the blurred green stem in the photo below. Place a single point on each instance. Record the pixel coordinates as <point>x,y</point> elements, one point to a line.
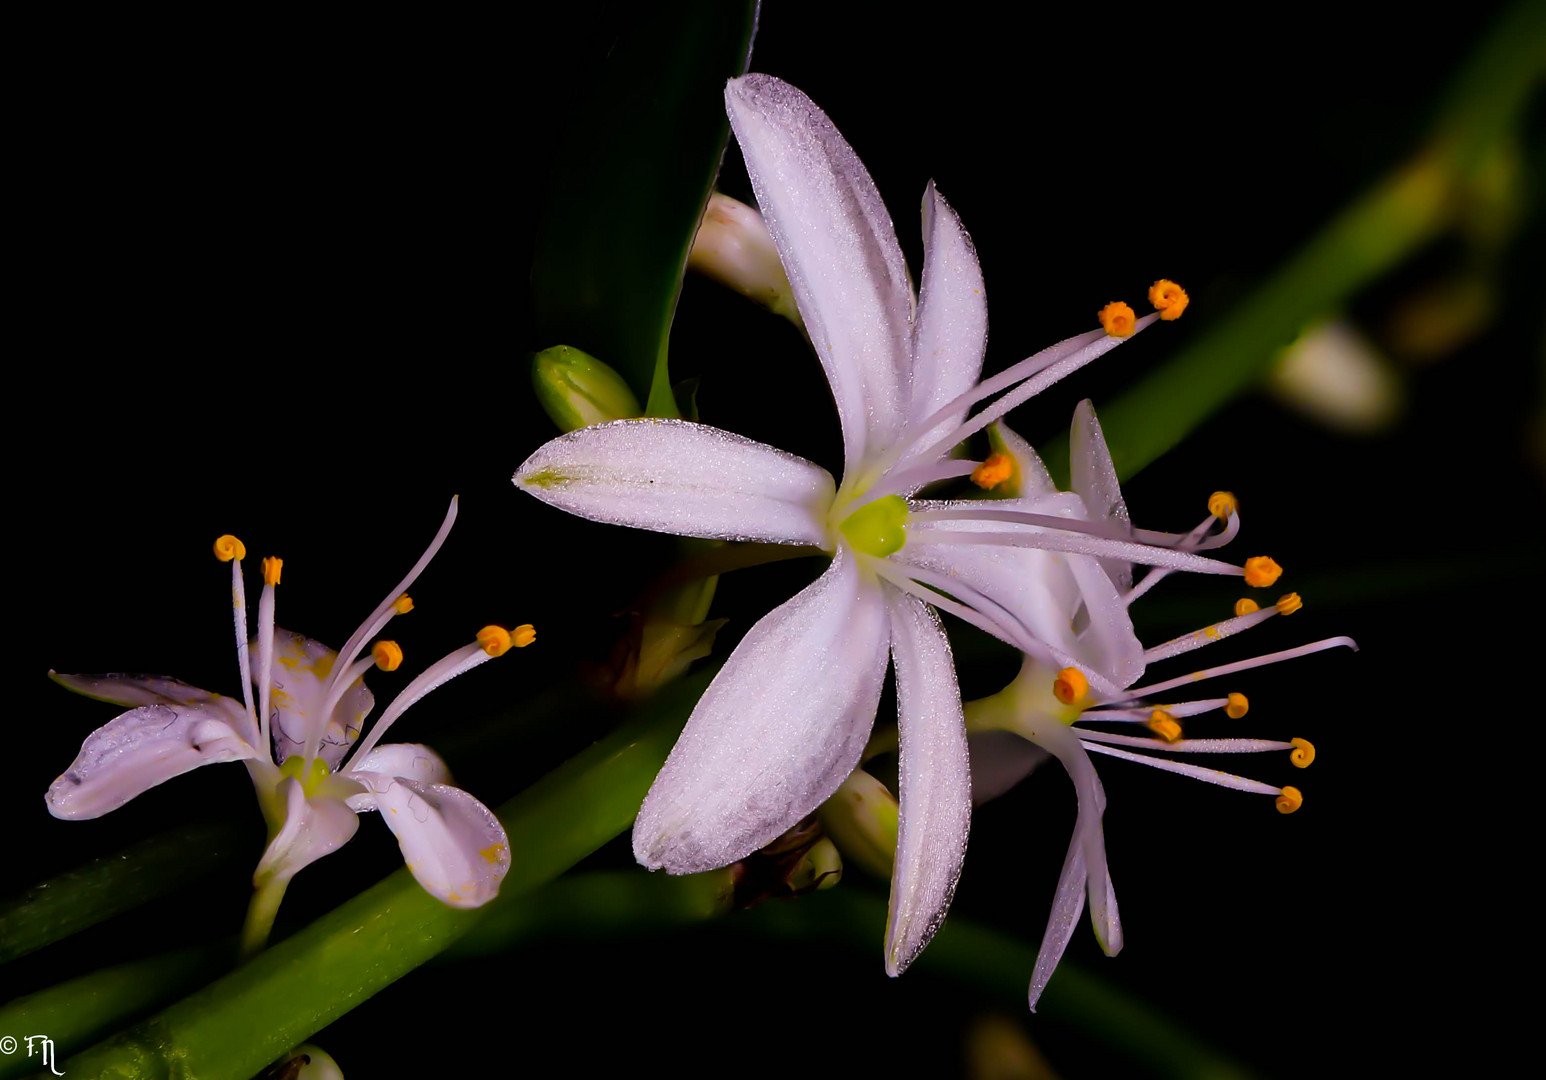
<point>1401,213</point>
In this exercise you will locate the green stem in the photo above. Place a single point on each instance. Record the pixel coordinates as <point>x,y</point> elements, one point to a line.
<point>81,898</point>
<point>1400,214</point>
<point>261,912</point>
<point>243,1021</point>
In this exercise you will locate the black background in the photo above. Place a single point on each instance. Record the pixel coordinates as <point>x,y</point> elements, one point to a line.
<point>271,279</point>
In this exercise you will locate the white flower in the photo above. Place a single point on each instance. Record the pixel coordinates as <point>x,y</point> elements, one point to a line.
<point>787,717</point>
<point>1047,708</point>
<point>312,703</point>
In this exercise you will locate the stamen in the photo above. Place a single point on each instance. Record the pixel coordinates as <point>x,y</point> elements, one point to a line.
<point>1223,505</point>
<point>266,649</point>
<point>1196,772</point>
<point>1071,687</point>
<point>910,480</point>
<point>1196,540</point>
<point>1240,665</point>
<point>1164,725</point>
<point>1177,710</point>
<point>1245,606</point>
<point>231,550</point>
<point>438,674</point>
<point>1169,298</point>
<point>1078,543</point>
<point>495,640</point>
<point>523,635</point>
<point>403,604</point>
<point>1260,572</point>
<point>390,606</point>
<point>994,471</point>
<point>1303,754</point>
<point>271,568</point>
<point>1117,319</point>
<point>228,547</point>
<point>1289,800</point>
<point>387,655</point>
<point>1238,706</point>
<point>1289,604</point>
<point>1206,636</point>
<point>1188,746</point>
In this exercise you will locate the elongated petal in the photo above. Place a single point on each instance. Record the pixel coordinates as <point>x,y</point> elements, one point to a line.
<point>1067,906</point>
<point>312,828</point>
<point>1094,480</point>
<point>141,748</point>
<point>935,780</point>
<point>301,669</point>
<point>838,247</point>
<point>777,730</point>
<point>690,479</point>
<point>952,327</point>
<point>453,845</point>
<point>135,690</point>
<point>1000,760</point>
<point>411,761</point>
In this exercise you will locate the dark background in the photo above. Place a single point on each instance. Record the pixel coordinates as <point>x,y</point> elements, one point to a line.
<point>272,281</point>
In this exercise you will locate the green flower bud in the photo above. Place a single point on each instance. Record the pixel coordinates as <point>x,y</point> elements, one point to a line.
<point>861,818</point>
<point>578,390</point>
<point>821,868</point>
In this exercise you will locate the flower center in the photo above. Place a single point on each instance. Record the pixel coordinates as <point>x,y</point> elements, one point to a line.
<point>877,528</point>
<point>310,779</point>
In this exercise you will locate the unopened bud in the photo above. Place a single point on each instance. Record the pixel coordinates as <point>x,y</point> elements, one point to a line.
<point>734,248</point>
<point>821,868</point>
<point>861,818</point>
<point>578,390</point>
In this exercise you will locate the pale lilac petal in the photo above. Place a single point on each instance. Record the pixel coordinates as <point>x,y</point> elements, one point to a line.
<point>141,748</point>
<point>408,760</point>
<point>137,690</point>
<point>299,680</point>
<point>1000,760</point>
<point>835,238</point>
<point>777,730</point>
<point>935,781</point>
<point>678,477</point>
<point>312,828</point>
<point>952,327</point>
<point>452,844</point>
<point>1094,480</point>
<point>1067,906</point>
<point>1107,641</point>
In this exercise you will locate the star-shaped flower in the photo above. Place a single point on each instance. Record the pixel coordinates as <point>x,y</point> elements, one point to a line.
<point>1046,710</point>
<point>787,717</point>
<point>312,703</point>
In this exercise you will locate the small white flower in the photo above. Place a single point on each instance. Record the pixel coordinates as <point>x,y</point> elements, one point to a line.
<point>312,703</point>
<point>787,717</point>
<point>1049,708</point>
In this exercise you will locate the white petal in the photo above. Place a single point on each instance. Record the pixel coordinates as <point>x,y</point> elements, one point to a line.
<point>1067,906</point>
<point>952,327</point>
<point>935,781</point>
<point>454,845</point>
<point>1046,590</point>
<point>136,690</point>
<point>678,477</point>
<point>838,247</point>
<point>408,760</point>
<point>1000,760</point>
<point>301,670</point>
<point>777,730</point>
<point>312,828</point>
<point>1094,480</point>
<point>141,748</point>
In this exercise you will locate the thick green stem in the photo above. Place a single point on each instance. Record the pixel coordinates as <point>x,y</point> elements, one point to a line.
<point>266,898</point>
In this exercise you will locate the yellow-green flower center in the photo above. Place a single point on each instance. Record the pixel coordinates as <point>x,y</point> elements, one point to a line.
<point>877,528</point>
<point>295,765</point>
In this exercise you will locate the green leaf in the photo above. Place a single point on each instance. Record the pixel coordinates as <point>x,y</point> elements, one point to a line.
<point>630,187</point>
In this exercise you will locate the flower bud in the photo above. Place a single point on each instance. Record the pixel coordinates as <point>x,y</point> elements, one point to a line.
<point>734,248</point>
<point>578,390</point>
<point>861,818</point>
